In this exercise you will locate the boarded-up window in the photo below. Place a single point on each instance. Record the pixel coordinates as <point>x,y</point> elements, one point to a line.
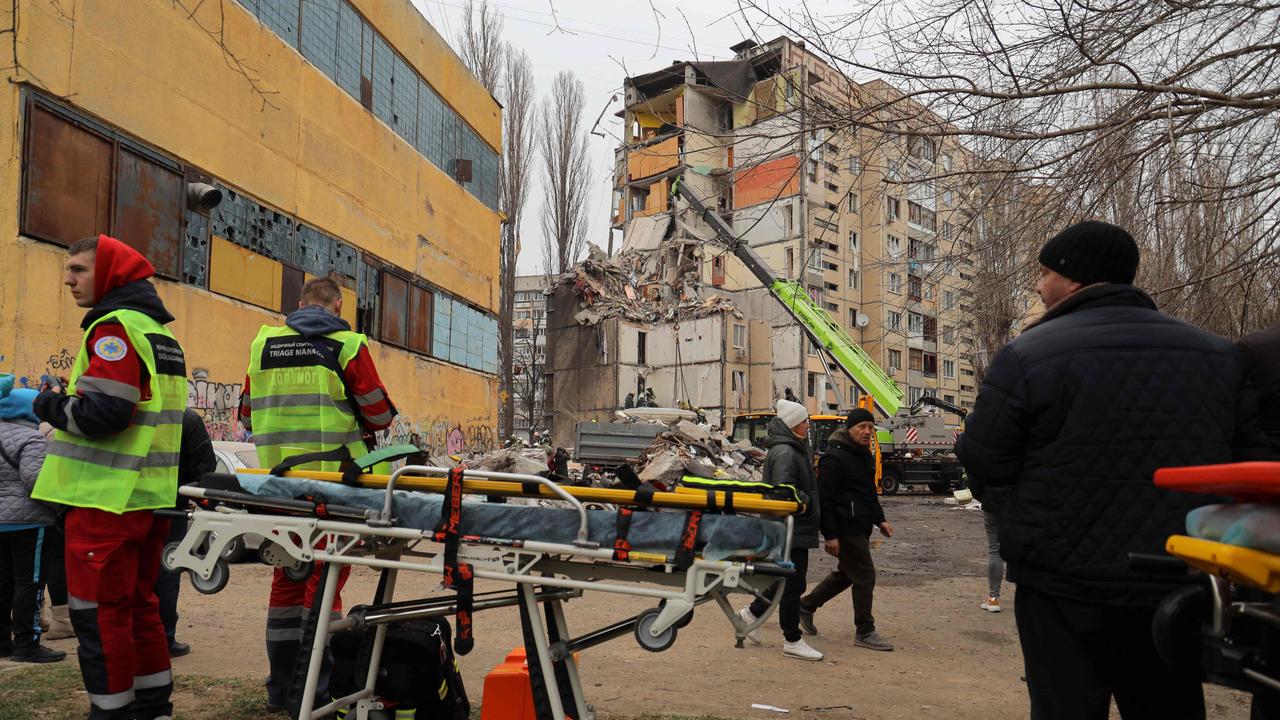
<point>291,283</point>
<point>395,309</point>
<point>149,210</point>
<point>420,319</point>
<point>67,194</point>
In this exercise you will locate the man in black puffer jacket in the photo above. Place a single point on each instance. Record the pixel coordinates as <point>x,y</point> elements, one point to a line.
<point>850,509</point>
<point>1072,419</point>
<point>788,463</point>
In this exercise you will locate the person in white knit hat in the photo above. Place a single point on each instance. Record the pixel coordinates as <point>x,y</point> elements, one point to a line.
<point>789,463</point>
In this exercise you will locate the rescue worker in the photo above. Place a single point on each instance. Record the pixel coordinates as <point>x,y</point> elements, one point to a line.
<point>311,387</point>
<point>113,460</point>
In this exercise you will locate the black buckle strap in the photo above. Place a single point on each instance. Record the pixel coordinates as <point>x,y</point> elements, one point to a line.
<point>688,539</point>
<point>621,547</point>
<point>340,454</point>
<point>459,577</point>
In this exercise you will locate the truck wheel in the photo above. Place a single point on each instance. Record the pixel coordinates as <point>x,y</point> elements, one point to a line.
<point>891,482</point>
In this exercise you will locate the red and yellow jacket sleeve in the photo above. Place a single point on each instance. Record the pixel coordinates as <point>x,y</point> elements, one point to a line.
<point>368,392</point>
<point>108,391</point>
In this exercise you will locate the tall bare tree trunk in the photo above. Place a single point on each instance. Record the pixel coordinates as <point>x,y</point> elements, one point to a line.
<point>563,141</point>
<point>517,131</point>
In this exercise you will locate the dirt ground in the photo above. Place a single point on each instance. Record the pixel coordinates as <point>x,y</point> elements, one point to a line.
<point>952,659</point>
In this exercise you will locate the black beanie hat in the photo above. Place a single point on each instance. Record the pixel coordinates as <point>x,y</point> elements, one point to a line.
<point>1091,252</point>
<point>857,416</point>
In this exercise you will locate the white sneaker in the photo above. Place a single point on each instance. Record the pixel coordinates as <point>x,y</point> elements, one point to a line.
<point>748,618</point>
<point>800,649</point>
<point>991,604</point>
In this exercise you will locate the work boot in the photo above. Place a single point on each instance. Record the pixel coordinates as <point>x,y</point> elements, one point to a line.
<point>60,628</point>
<point>800,650</point>
<point>872,641</point>
<point>178,649</point>
<point>37,654</point>
<point>806,621</point>
<point>748,618</point>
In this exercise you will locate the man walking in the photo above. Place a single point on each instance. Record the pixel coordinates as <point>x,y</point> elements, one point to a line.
<point>311,387</point>
<point>1072,419</point>
<point>788,463</point>
<point>113,460</point>
<point>850,510</point>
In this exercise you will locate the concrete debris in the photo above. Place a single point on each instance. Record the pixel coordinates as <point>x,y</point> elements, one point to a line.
<point>666,467</point>
<point>527,462</point>
<point>688,448</point>
<point>637,286</point>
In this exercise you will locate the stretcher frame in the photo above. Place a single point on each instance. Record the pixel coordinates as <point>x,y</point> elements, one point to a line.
<point>542,572</point>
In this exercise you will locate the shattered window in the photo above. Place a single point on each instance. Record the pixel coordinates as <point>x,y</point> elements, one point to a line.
<point>281,16</point>
<point>320,41</point>
<point>347,64</point>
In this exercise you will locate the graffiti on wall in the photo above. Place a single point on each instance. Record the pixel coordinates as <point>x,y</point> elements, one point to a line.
<point>218,403</point>
<point>56,366</point>
<point>440,436</point>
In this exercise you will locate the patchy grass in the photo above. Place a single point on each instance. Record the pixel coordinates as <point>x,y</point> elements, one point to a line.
<point>54,692</point>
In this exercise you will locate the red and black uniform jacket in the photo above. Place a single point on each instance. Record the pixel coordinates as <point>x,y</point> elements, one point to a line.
<point>108,391</point>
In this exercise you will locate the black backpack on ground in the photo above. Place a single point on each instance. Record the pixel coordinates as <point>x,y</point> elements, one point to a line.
<point>418,669</point>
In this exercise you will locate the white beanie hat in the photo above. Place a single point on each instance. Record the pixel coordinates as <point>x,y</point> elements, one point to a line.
<point>792,413</point>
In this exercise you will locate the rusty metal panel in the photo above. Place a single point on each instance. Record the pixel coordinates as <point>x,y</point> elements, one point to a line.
<point>149,210</point>
<point>68,180</point>
<point>291,281</point>
<point>395,305</point>
<point>420,320</point>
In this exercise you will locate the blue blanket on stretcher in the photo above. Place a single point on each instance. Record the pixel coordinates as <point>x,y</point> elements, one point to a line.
<point>720,537</point>
<point>1247,525</point>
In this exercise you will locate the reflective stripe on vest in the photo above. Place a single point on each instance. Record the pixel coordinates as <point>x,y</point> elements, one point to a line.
<point>136,469</point>
<point>298,401</point>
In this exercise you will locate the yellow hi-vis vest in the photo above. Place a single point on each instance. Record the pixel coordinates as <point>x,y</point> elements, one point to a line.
<point>298,401</point>
<point>136,469</point>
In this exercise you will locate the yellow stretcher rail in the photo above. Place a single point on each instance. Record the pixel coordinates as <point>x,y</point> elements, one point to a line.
<point>1244,566</point>
<point>690,499</point>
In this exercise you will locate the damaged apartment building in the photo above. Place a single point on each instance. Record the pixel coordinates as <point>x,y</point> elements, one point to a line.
<point>865,220</point>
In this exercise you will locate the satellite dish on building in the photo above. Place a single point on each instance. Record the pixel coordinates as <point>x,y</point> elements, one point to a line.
<point>863,320</point>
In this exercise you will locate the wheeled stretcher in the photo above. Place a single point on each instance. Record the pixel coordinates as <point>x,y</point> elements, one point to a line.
<point>679,549</point>
<point>1238,617</point>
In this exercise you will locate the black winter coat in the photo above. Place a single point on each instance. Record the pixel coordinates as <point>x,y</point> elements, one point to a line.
<point>847,486</point>
<point>1073,418</point>
<point>788,463</point>
<point>1261,355</point>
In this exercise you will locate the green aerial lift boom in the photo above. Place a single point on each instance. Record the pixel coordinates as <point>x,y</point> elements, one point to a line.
<point>816,323</point>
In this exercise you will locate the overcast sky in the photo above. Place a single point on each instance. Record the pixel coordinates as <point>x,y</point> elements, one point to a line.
<point>597,40</point>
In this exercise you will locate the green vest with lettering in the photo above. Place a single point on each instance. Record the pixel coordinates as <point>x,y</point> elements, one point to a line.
<point>136,469</point>
<point>298,401</point>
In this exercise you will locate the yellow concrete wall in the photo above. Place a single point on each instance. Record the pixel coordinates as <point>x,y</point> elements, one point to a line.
<point>290,138</point>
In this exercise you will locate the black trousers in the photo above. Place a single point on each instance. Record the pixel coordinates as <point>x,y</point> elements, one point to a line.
<point>21,553</point>
<point>856,570</point>
<point>789,608</point>
<point>1079,655</point>
<point>169,583</point>
<point>54,569</point>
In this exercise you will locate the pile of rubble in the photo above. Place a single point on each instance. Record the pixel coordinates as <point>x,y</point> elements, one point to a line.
<point>701,450</point>
<point>631,286</point>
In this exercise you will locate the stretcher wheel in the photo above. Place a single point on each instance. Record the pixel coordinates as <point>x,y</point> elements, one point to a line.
<point>649,641</point>
<point>299,572</point>
<point>169,557</point>
<point>217,579</point>
<point>682,622</point>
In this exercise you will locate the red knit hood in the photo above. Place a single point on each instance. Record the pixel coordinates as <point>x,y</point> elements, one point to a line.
<point>117,264</point>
